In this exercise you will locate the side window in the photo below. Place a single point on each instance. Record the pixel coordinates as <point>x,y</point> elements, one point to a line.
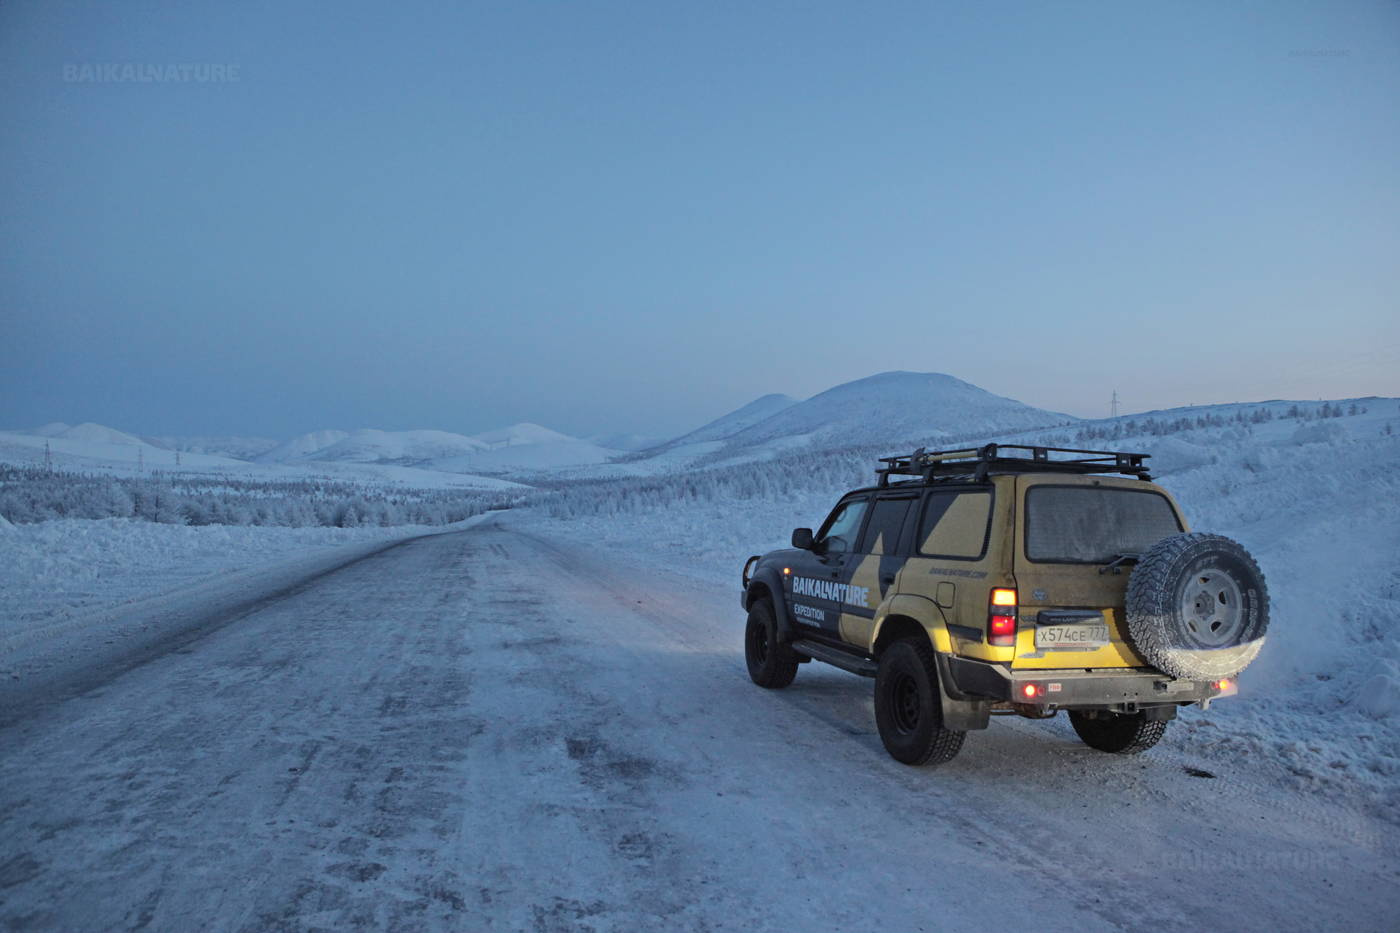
<point>839,532</point>
<point>955,524</point>
<point>886,522</point>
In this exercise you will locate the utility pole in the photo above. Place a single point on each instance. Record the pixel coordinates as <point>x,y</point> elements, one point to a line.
<point>1113,405</point>
<point>177,458</point>
<point>140,460</point>
<point>48,458</point>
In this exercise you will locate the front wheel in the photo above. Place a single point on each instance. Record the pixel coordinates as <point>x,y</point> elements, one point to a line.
<point>771,663</point>
<point>1116,732</point>
<point>909,706</point>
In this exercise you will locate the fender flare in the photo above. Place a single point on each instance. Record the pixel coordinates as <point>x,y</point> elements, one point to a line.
<point>918,608</point>
<point>960,712</point>
<point>774,584</point>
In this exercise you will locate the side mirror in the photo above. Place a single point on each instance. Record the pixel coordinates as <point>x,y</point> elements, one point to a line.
<point>802,538</point>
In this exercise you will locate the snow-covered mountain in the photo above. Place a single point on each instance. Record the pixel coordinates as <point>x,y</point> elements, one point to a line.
<point>408,448</point>
<point>627,441</point>
<point>726,426</point>
<point>302,446</point>
<point>519,447</point>
<point>889,408</point>
<point>522,434</point>
<point>527,448</point>
<point>897,406</point>
<point>87,432</point>
<point>237,448</point>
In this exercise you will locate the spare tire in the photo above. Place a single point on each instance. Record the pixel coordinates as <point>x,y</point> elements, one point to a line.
<point>1197,607</point>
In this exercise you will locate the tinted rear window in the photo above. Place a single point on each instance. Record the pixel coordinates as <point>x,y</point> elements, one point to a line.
<point>1094,524</point>
<point>955,525</point>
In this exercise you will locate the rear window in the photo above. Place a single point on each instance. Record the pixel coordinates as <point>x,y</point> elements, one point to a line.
<point>955,525</point>
<point>1094,524</point>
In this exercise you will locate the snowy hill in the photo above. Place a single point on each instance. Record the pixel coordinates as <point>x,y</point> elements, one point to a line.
<point>52,429</point>
<point>520,447</point>
<point>87,432</point>
<point>237,448</point>
<point>302,446</point>
<point>521,434</point>
<point>526,448</point>
<point>702,439</point>
<point>627,441</point>
<point>407,448</point>
<point>897,406</point>
<point>760,409</point>
<point>889,409</point>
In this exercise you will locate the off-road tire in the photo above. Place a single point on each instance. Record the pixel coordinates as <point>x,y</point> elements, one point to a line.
<point>1117,733</point>
<point>909,706</point>
<point>771,663</point>
<point>1197,607</point>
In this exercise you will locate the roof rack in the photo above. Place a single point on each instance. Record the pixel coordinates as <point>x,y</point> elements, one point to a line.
<point>981,462</point>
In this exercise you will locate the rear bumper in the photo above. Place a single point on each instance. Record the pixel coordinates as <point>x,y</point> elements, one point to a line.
<point>1122,690</point>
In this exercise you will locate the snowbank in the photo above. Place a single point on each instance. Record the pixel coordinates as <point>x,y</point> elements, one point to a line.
<point>51,570</point>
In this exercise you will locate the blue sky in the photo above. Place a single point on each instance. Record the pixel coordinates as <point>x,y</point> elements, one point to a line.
<point>604,216</point>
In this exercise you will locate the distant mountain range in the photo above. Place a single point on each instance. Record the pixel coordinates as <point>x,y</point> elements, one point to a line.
<point>887,408</point>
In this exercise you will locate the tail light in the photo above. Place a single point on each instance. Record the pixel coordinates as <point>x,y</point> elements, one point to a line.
<point>1001,617</point>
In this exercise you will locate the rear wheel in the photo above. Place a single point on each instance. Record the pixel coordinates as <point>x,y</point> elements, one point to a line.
<point>771,663</point>
<point>909,706</point>
<point>1117,732</point>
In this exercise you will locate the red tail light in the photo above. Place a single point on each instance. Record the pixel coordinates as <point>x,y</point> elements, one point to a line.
<point>1001,617</point>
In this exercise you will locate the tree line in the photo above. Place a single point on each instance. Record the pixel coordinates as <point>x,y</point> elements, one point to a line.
<point>33,494</point>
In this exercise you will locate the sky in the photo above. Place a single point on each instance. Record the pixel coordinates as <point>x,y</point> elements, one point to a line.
<point>638,216</point>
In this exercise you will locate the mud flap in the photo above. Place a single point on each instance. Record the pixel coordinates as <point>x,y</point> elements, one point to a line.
<point>960,714</point>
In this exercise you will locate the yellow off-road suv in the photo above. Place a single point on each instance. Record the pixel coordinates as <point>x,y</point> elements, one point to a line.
<point>1009,579</point>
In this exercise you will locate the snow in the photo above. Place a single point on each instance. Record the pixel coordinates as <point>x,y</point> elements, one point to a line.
<point>896,406</point>
<point>523,433</point>
<point>760,409</point>
<point>221,445</point>
<point>406,447</point>
<point>302,446</point>
<point>524,447</point>
<point>91,433</point>
<point>52,570</point>
<point>627,441</point>
<point>128,460</point>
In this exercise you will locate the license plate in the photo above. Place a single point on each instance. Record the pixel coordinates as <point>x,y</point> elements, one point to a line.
<point>1082,635</point>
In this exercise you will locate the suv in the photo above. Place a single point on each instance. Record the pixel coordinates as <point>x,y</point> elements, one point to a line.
<point>1010,579</point>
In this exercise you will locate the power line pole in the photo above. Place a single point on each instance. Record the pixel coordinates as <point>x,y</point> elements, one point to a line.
<point>48,458</point>
<point>1113,405</point>
<point>140,460</point>
<point>177,458</point>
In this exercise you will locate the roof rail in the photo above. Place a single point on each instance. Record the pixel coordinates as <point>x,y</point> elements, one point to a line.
<point>981,462</point>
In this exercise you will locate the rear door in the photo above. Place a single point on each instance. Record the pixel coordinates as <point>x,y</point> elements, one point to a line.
<point>1071,605</point>
<point>817,590</point>
<point>879,556</point>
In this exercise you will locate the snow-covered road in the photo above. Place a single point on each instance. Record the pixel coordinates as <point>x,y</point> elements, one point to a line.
<point>494,729</point>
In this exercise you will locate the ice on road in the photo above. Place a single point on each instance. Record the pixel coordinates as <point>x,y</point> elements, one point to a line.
<point>492,729</point>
